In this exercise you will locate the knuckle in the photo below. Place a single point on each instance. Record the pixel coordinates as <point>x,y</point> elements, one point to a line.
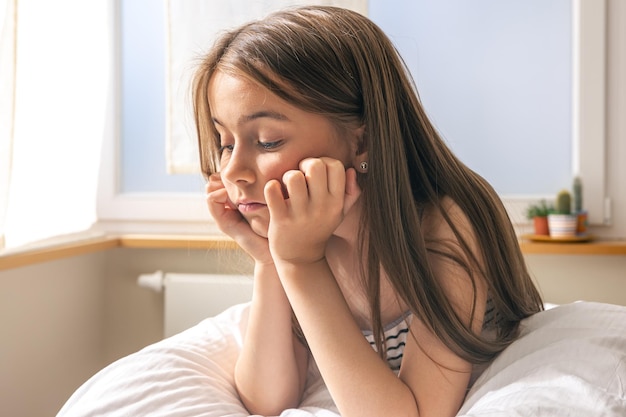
<point>291,176</point>
<point>312,164</point>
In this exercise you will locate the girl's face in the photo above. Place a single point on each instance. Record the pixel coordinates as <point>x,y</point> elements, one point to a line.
<point>261,137</point>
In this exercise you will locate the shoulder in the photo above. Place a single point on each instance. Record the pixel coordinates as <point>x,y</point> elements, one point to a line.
<point>432,364</point>
<point>455,257</point>
<point>440,221</point>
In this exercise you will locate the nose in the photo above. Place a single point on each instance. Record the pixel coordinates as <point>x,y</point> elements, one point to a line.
<point>238,168</point>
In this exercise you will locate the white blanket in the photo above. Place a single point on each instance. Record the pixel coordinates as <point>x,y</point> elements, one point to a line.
<point>570,360</point>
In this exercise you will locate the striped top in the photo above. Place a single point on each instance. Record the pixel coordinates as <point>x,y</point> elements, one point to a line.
<point>394,341</point>
<point>395,334</point>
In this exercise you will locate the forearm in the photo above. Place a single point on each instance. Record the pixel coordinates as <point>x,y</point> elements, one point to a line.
<point>360,382</point>
<point>269,373</point>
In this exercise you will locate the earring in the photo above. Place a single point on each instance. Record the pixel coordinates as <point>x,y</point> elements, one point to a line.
<point>363,166</point>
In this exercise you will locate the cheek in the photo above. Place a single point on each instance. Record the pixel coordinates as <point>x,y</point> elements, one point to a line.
<point>275,166</point>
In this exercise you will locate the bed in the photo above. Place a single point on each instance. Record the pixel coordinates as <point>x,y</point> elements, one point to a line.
<point>569,360</point>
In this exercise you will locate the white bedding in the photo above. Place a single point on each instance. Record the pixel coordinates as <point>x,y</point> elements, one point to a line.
<point>570,360</point>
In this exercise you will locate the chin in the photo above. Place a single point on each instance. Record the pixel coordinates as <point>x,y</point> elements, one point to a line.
<point>259,228</point>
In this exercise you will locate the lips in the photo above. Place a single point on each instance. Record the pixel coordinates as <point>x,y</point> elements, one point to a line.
<point>250,207</point>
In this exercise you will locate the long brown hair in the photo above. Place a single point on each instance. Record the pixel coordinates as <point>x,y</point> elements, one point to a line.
<point>338,63</point>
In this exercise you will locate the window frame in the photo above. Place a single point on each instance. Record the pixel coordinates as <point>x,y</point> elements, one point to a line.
<point>120,212</point>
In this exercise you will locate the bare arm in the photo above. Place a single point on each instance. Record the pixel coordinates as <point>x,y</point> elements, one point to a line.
<point>437,376</point>
<point>433,380</point>
<point>271,369</point>
<point>360,383</point>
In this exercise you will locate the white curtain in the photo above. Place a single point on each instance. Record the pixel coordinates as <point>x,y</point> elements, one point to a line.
<point>192,27</point>
<point>7,82</point>
<point>51,144</point>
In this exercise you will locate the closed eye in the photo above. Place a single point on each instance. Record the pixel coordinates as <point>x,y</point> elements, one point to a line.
<point>270,145</point>
<point>226,148</point>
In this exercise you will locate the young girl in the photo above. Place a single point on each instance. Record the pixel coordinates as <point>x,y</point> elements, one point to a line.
<point>378,254</point>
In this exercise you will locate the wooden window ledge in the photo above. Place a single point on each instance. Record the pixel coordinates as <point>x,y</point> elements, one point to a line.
<point>80,246</point>
<point>17,258</point>
<point>594,247</point>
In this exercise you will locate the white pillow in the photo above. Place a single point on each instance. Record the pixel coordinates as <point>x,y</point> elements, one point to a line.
<point>569,360</point>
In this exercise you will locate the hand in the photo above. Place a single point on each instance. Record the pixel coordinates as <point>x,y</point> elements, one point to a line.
<point>231,222</point>
<point>320,193</point>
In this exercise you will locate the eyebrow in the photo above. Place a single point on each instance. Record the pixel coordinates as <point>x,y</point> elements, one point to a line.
<point>246,118</point>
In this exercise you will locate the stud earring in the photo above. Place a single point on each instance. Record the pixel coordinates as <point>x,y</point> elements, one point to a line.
<point>363,166</point>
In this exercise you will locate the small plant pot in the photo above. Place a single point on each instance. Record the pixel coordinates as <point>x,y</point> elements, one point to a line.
<point>562,225</point>
<point>541,225</point>
<point>581,227</point>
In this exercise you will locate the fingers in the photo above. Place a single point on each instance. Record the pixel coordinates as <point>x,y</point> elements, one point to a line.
<point>339,182</point>
<point>214,183</point>
<point>274,198</point>
<point>336,173</point>
<point>324,176</point>
<point>217,197</point>
<point>320,178</point>
<point>218,202</point>
<point>318,182</point>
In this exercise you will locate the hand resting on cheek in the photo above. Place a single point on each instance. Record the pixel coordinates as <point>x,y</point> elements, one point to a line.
<point>320,193</point>
<point>305,209</point>
<point>231,222</point>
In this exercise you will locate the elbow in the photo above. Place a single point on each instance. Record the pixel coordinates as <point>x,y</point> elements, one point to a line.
<point>266,399</point>
<point>268,405</point>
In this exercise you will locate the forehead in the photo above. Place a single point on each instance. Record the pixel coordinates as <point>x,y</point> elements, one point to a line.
<point>234,93</point>
<point>235,99</point>
<point>224,86</point>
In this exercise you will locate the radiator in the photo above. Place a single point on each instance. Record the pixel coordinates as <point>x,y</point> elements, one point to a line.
<point>190,298</point>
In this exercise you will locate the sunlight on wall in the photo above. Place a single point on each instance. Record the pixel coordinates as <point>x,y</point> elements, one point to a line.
<point>62,75</point>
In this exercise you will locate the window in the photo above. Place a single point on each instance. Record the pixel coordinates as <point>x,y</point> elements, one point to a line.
<point>575,120</point>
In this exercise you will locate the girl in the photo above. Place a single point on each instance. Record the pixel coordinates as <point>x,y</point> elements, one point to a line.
<point>378,254</point>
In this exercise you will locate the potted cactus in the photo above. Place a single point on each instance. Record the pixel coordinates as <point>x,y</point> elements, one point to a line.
<point>538,213</point>
<point>562,223</point>
<point>580,213</point>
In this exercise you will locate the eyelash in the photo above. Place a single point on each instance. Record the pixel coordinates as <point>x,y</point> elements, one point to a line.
<point>229,148</point>
<point>268,146</point>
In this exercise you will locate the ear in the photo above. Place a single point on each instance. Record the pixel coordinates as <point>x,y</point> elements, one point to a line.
<point>359,147</point>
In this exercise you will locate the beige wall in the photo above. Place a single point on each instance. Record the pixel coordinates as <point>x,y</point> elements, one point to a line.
<point>615,120</point>
<point>51,332</point>
<point>63,320</point>
<point>568,278</point>
<point>134,315</point>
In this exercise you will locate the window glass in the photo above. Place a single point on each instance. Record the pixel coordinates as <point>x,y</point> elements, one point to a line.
<point>494,76</point>
<point>143,102</point>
